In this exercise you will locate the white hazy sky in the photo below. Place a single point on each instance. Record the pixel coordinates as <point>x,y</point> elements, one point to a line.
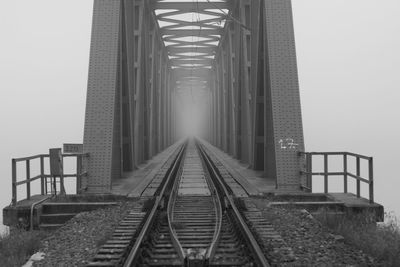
<point>349,68</point>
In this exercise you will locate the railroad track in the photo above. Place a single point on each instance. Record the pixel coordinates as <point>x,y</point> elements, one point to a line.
<point>192,221</point>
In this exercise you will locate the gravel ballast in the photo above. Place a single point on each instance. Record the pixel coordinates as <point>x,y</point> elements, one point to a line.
<point>313,244</point>
<point>76,243</point>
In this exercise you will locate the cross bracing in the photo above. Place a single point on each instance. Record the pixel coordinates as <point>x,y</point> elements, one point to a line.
<point>191,31</point>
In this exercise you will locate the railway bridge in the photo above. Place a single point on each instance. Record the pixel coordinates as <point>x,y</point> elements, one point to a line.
<point>234,62</point>
<point>160,73</point>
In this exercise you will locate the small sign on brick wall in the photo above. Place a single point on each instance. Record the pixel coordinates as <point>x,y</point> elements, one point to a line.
<point>73,148</point>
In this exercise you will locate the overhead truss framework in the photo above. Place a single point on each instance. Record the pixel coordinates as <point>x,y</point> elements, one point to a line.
<point>240,52</point>
<point>191,31</point>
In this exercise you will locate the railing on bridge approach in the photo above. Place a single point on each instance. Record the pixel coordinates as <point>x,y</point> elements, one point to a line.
<point>80,173</point>
<point>309,171</point>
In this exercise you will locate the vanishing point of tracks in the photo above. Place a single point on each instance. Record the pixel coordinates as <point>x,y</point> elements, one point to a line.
<point>191,221</point>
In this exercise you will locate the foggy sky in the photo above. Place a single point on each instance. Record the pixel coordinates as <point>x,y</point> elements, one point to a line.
<point>348,59</point>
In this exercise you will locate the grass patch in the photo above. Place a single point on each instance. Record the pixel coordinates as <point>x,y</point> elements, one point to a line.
<point>381,241</point>
<point>17,247</point>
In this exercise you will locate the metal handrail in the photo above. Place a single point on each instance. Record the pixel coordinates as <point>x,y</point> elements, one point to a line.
<point>29,158</point>
<point>33,208</point>
<point>335,154</point>
<point>309,172</point>
<point>42,176</point>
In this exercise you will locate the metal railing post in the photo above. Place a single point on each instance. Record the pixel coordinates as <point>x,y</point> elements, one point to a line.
<point>28,176</point>
<point>309,171</point>
<point>14,181</point>
<point>78,173</point>
<point>345,172</point>
<point>371,179</point>
<point>326,173</point>
<point>358,174</point>
<point>42,175</point>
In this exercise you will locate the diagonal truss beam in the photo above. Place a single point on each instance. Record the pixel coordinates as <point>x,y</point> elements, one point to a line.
<point>200,34</point>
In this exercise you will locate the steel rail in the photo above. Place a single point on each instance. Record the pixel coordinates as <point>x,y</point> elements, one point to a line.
<point>133,254</point>
<point>217,198</point>
<point>254,247</point>
<point>174,237</point>
<point>218,226</point>
<point>218,214</point>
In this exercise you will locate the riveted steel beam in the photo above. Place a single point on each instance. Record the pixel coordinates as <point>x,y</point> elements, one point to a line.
<point>184,61</point>
<point>191,50</point>
<point>190,7</point>
<point>199,32</point>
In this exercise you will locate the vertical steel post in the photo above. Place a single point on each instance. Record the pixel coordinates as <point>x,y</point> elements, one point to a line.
<point>371,179</point>
<point>166,106</point>
<point>219,109</point>
<point>358,174</point>
<point>251,97</point>
<point>309,170</point>
<point>28,176</point>
<point>216,113</point>
<point>160,88</point>
<point>153,59</point>
<point>78,173</point>
<point>138,76</point>
<point>14,181</point>
<point>130,47</point>
<point>345,172</point>
<point>224,103</point>
<point>231,86</point>
<point>45,184</point>
<point>62,186</point>
<point>42,178</point>
<point>326,173</point>
<point>211,113</point>
<point>101,118</point>
<point>245,68</point>
<point>283,119</point>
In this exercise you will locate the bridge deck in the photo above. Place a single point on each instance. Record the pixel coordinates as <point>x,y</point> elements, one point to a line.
<point>245,181</point>
<point>242,181</point>
<point>134,183</point>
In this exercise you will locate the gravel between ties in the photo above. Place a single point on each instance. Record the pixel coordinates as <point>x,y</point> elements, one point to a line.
<point>77,242</point>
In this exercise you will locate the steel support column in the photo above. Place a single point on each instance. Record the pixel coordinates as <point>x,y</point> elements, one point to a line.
<point>256,79</point>
<point>127,63</point>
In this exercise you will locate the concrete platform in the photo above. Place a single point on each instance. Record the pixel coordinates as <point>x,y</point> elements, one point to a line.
<point>21,212</point>
<point>257,185</point>
<point>135,183</point>
<point>59,207</point>
<point>333,203</point>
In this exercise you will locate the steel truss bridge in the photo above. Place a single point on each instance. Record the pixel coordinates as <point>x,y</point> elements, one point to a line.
<point>159,72</point>
<point>235,59</point>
